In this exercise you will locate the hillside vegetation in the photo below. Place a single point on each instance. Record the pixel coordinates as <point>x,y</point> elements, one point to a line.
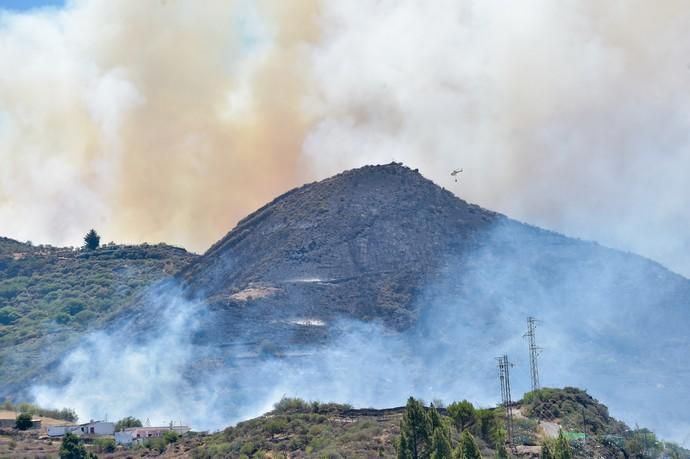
<point>297,429</point>
<point>49,296</point>
<point>300,429</point>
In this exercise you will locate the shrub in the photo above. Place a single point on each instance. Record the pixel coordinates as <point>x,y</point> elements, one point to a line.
<point>275,426</point>
<point>104,445</point>
<point>248,448</point>
<point>157,444</point>
<point>171,436</point>
<point>73,448</point>
<point>24,421</point>
<point>289,405</point>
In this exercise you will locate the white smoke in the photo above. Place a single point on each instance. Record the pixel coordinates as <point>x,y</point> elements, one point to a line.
<point>165,121</point>
<point>571,115</point>
<point>597,334</point>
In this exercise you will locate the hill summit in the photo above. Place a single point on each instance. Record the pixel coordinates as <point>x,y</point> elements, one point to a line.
<point>362,244</point>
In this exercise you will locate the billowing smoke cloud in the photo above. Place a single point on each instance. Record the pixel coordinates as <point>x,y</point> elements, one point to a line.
<point>161,120</point>
<point>572,116</point>
<point>148,120</point>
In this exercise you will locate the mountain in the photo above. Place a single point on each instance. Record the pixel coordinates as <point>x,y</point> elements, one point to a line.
<point>360,244</point>
<point>384,245</point>
<point>376,284</point>
<point>367,244</point>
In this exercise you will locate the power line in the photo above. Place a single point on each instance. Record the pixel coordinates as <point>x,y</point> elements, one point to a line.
<point>534,352</point>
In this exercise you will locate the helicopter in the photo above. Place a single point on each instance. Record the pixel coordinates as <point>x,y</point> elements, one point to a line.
<point>455,173</point>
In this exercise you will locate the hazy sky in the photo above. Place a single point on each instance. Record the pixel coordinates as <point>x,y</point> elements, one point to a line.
<point>167,121</point>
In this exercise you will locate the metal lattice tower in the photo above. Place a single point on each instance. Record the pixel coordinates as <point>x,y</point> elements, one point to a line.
<point>504,377</point>
<point>534,352</point>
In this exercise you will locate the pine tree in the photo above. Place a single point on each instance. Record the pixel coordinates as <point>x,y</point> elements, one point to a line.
<point>463,414</point>
<point>434,418</point>
<point>468,448</point>
<point>92,240</point>
<point>404,449</point>
<point>440,444</point>
<point>415,432</point>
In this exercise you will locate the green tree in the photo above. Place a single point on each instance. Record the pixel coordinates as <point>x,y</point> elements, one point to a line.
<point>468,448</point>
<point>73,448</point>
<point>501,451</point>
<point>124,423</point>
<point>24,421</point>
<point>415,432</point>
<point>487,424</point>
<point>434,418</point>
<point>92,240</point>
<point>462,413</point>
<point>403,446</point>
<point>440,444</point>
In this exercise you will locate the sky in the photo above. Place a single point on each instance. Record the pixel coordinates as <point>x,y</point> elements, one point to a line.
<point>24,5</point>
<point>162,121</point>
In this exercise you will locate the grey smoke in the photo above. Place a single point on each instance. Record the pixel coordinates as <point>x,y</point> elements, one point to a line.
<point>631,358</point>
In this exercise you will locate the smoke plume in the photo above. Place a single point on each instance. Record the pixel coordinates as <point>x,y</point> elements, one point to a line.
<point>630,358</point>
<point>148,120</point>
<point>164,120</point>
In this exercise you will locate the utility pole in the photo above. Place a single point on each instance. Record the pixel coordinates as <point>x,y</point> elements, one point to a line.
<point>534,352</point>
<point>504,378</point>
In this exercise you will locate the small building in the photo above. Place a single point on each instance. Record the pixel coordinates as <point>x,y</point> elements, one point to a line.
<point>92,429</point>
<point>140,434</point>
<point>10,423</point>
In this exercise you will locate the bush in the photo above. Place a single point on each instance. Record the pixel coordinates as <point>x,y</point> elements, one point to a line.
<point>276,425</point>
<point>24,421</point>
<point>157,444</point>
<point>171,436</point>
<point>73,448</point>
<point>104,445</point>
<point>289,405</point>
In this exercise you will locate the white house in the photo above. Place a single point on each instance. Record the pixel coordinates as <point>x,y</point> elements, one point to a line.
<point>93,428</point>
<point>140,434</point>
